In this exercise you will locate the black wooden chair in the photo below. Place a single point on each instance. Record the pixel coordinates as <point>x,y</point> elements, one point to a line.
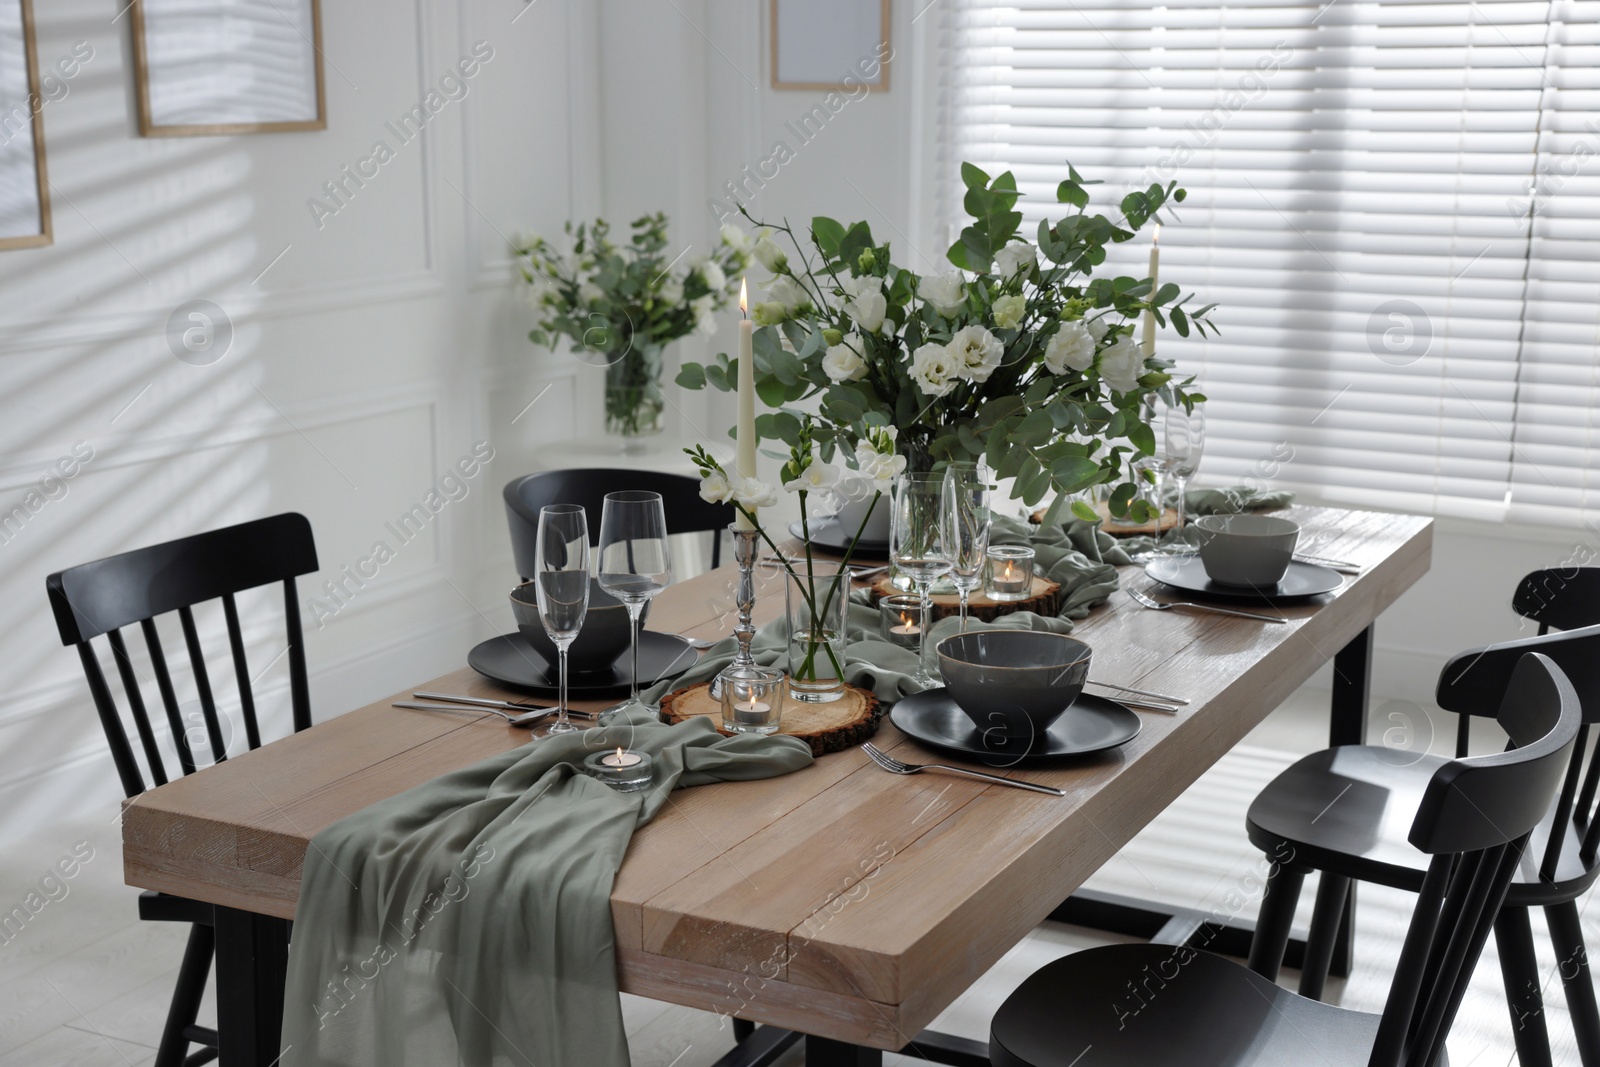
<point>588,486</point>
<point>101,599</point>
<point>1174,1006</point>
<point>1343,812</point>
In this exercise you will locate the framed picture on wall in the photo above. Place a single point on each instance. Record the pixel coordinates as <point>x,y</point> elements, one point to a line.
<point>830,44</point>
<point>228,66</point>
<point>24,189</point>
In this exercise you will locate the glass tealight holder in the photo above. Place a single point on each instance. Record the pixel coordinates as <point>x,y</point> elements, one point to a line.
<point>902,615</point>
<point>1010,574</point>
<point>623,769</point>
<point>752,701</point>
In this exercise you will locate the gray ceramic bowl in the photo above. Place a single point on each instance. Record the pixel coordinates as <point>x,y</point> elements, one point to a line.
<point>601,642</point>
<point>1246,549</point>
<point>1014,683</point>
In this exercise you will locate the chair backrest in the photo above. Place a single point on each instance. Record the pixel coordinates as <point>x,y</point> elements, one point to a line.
<point>1560,599</point>
<point>1475,819</point>
<point>101,598</point>
<point>588,486</point>
<point>1473,683</point>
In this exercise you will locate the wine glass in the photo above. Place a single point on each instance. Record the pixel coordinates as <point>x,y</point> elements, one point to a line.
<point>917,545</point>
<point>1183,439</point>
<point>967,528</point>
<point>562,588</point>
<point>635,564</point>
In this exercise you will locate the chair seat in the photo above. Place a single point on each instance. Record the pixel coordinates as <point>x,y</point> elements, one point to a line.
<point>1349,810</point>
<point>1166,1006</point>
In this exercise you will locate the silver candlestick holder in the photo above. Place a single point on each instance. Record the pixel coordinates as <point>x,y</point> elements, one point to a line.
<point>746,547</point>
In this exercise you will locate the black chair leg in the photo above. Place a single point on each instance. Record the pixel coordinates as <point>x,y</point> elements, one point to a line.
<point>743,1028</point>
<point>1271,939</point>
<point>1566,933</point>
<point>186,996</point>
<point>1514,938</point>
<point>1331,894</point>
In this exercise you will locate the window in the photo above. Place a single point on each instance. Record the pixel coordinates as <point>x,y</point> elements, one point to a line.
<point>1396,205</point>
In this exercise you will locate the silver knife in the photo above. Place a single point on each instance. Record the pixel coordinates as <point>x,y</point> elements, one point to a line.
<point>505,705</point>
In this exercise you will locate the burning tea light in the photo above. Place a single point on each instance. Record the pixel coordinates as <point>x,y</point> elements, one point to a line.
<point>624,770</point>
<point>752,701</point>
<point>1010,572</point>
<point>902,617</point>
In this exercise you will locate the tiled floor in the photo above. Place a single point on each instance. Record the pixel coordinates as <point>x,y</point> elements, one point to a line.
<point>84,984</point>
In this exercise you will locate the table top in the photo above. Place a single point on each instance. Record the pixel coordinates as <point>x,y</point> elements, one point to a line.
<point>838,900</point>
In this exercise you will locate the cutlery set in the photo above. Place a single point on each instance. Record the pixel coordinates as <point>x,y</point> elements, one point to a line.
<point>515,714</point>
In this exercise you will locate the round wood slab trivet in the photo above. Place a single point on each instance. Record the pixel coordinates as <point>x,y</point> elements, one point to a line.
<point>1169,519</point>
<point>846,722</point>
<point>1043,600</point>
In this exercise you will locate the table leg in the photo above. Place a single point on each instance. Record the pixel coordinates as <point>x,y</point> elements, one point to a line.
<point>252,965</point>
<point>823,1052</point>
<point>1347,725</point>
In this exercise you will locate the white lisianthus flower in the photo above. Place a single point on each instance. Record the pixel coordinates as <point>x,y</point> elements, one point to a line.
<point>1121,364</point>
<point>590,293</point>
<point>816,477</point>
<point>711,271</point>
<point>843,362</point>
<point>788,292</point>
<point>737,239</point>
<point>671,291</point>
<point>705,320</point>
<point>754,493</point>
<point>769,313</point>
<point>934,369</point>
<point>943,292</point>
<point>976,353</point>
<point>1098,328</point>
<point>714,488</point>
<point>1018,257</point>
<point>1069,348</point>
<point>867,310</point>
<point>768,254</point>
<point>1008,311</point>
<point>867,283</point>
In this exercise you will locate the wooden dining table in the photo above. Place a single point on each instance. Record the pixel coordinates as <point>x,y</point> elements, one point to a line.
<point>838,902</point>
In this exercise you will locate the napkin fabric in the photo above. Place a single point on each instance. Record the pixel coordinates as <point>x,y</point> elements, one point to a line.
<point>468,921</point>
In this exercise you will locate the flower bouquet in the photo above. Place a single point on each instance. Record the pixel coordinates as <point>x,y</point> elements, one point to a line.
<point>622,304</point>
<point>1016,357</point>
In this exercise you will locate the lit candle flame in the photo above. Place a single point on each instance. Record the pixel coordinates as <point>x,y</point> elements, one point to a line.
<point>1008,575</point>
<point>619,753</point>
<point>744,297</point>
<point>1155,238</point>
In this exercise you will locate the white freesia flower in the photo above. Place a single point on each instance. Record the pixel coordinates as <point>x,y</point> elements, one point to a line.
<point>754,493</point>
<point>671,291</point>
<point>711,271</point>
<point>714,488</point>
<point>867,310</point>
<point>976,353</point>
<point>769,313</point>
<point>1098,328</point>
<point>816,477</point>
<point>1121,364</point>
<point>943,292</point>
<point>933,368</point>
<point>876,469</point>
<point>590,293</point>
<point>855,287</point>
<point>768,254</point>
<point>788,292</point>
<point>705,319</point>
<point>737,239</point>
<point>843,362</point>
<point>1070,348</point>
<point>1018,257</point>
<point>1008,311</point>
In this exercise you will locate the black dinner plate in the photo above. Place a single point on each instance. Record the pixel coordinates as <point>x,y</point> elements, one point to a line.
<point>828,534</point>
<point>510,660</point>
<point>1091,724</point>
<point>1189,574</point>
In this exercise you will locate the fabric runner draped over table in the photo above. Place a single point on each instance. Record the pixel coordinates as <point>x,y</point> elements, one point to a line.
<point>468,920</point>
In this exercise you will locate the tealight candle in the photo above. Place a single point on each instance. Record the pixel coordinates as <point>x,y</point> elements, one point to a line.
<point>624,770</point>
<point>902,617</point>
<point>752,701</point>
<point>1010,572</point>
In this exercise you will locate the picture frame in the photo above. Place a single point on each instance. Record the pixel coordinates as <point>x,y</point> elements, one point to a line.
<point>200,68</point>
<point>824,45</point>
<point>24,184</point>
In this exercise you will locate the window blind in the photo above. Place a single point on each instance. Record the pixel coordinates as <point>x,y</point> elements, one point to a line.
<point>1394,319</point>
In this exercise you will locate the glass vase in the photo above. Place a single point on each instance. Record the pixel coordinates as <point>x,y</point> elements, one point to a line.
<point>818,598</point>
<point>634,400</point>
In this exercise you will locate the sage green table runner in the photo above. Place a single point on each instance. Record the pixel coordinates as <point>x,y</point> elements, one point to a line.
<point>468,921</point>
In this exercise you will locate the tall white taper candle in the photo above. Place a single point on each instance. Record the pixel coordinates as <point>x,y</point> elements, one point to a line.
<point>746,434</point>
<point>1148,340</point>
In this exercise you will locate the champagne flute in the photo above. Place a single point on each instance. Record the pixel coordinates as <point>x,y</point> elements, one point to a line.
<point>967,528</point>
<point>562,588</point>
<point>917,545</point>
<point>635,564</point>
<point>1183,437</point>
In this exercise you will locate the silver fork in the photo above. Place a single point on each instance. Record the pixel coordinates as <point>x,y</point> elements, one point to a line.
<point>1157,605</point>
<point>527,718</point>
<point>894,766</point>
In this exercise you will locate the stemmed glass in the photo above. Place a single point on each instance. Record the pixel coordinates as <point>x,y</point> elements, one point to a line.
<point>967,528</point>
<point>635,564</point>
<point>562,588</point>
<point>1183,439</point>
<point>917,544</point>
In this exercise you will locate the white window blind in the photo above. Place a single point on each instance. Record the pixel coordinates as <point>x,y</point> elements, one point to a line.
<point>1359,176</point>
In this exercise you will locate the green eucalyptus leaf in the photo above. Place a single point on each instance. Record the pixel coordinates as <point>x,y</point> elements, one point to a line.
<point>1084,511</point>
<point>691,376</point>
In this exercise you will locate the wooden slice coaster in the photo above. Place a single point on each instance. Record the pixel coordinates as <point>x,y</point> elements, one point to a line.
<point>1169,519</point>
<point>1043,600</point>
<point>846,722</point>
